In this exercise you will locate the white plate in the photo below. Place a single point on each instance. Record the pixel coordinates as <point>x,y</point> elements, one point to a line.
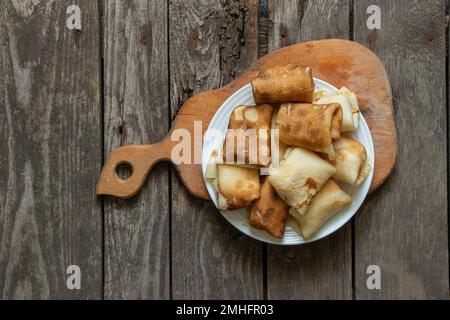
<point>238,218</point>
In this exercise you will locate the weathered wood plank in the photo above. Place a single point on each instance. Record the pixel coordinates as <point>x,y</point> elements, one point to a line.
<point>302,20</point>
<point>210,43</point>
<point>50,137</point>
<point>402,227</point>
<point>137,246</point>
<point>321,270</point>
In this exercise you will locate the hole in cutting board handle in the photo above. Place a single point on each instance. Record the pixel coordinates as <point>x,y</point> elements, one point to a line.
<point>127,167</point>
<point>124,170</point>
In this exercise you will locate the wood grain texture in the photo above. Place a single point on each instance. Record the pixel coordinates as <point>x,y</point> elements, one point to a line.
<point>303,20</point>
<point>137,251</point>
<point>50,141</point>
<point>50,137</point>
<point>402,227</point>
<point>321,270</point>
<point>208,46</point>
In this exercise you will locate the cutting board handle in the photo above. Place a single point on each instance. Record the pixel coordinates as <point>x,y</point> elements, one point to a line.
<point>141,159</point>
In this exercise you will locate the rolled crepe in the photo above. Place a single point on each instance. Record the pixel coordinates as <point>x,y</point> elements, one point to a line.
<point>310,126</point>
<point>284,83</point>
<point>236,187</point>
<point>299,177</point>
<point>329,201</point>
<point>349,104</point>
<point>352,164</point>
<point>269,212</point>
<point>248,136</point>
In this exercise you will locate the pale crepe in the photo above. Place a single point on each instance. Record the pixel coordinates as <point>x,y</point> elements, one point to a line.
<point>269,212</point>
<point>299,177</point>
<point>329,201</point>
<point>211,167</point>
<point>352,164</point>
<point>310,126</point>
<point>236,187</point>
<point>283,83</point>
<point>248,136</point>
<point>349,104</point>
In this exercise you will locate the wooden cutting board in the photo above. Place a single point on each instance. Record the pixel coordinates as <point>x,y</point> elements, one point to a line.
<point>339,62</point>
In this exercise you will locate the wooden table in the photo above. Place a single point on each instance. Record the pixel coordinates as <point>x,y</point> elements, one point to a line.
<point>68,97</point>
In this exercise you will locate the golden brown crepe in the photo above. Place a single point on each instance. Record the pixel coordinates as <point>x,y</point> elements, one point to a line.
<point>277,148</point>
<point>236,187</point>
<point>300,175</point>
<point>269,212</point>
<point>248,136</point>
<point>329,201</point>
<point>349,104</point>
<point>310,126</point>
<point>284,83</point>
<point>352,164</point>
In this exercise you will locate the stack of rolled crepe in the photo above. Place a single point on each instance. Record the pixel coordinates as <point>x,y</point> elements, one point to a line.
<point>234,170</point>
<point>313,153</point>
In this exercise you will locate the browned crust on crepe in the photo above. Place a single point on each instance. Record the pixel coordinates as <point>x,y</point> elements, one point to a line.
<point>269,212</point>
<point>285,83</point>
<point>310,126</point>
